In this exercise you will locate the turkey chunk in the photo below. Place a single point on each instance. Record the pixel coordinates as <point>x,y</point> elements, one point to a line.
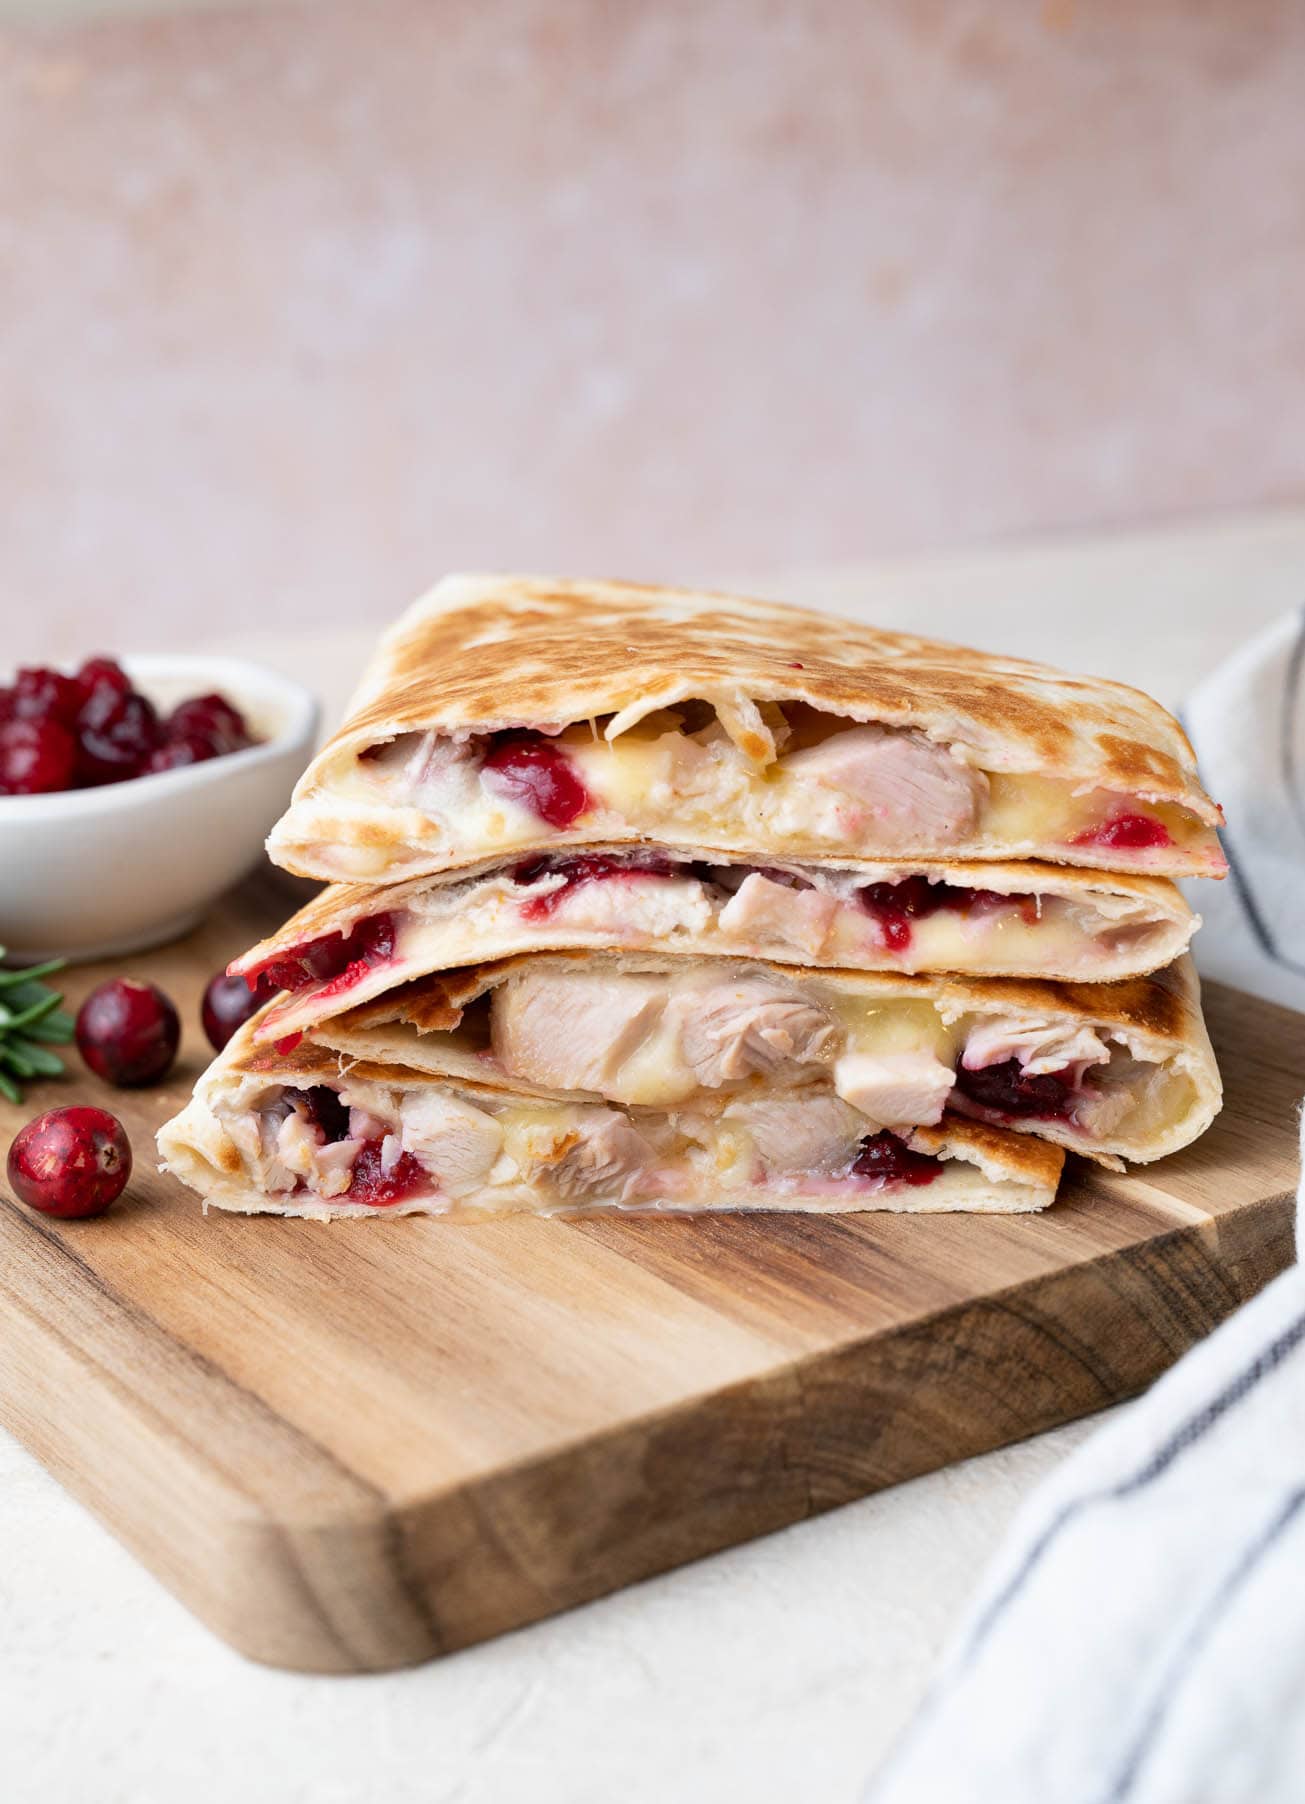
<point>453,1140</point>
<point>917,792</point>
<point>729,1031</point>
<point>766,913</point>
<point>606,1161</point>
<point>573,1030</point>
<point>897,1089</point>
<point>818,1134</point>
<point>1040,1046</point>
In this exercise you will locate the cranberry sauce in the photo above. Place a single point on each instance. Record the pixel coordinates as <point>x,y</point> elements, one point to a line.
<point>380,1189</point>
<point>895,905</point>
<point>587,867</point>
<point>1007,1089</point>
<point>532,770</point>
<point>337,959</point>
<point>887,1156</point>
<point>1126,833</point>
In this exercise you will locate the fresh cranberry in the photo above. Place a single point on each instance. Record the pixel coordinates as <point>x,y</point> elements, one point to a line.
<point>228,1003</point>
<point>70,1162</point>
<point>116,734</point>
<point>1126,833</point>
<point>337,958</point>
<point>37,757</point>
<point>44,694</point>
<point>102,673</point>
<point>128,1032</point>
<point>588,867</point>
<point>531,770</point>
<point>1007,1089</point>
<point>177,753</point>
<point>380,1189</point>
<point>888,1156</point>
<point>6,704</point>
<point>211,718</point>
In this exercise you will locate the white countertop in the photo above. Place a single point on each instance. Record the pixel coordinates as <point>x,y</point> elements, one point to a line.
<point>777,1671</point>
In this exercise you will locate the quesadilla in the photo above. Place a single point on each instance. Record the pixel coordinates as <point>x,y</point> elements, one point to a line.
<point>512,715</point>
<point>353,942</point>
<point>309,1133</point>
<point>1114,1071</point>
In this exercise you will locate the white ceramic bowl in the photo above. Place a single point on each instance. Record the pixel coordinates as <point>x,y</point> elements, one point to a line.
<point>91,873</point>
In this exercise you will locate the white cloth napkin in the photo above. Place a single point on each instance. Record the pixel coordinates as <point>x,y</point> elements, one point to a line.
<point>1140,1638</point>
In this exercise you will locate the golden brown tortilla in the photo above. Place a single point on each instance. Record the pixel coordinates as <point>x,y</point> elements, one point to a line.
<point>483,653</point>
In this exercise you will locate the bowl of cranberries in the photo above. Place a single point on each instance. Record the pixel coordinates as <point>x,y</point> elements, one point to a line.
<point>134,791</point>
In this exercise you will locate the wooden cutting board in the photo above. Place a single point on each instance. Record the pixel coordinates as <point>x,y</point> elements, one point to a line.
<point>362,1445</point>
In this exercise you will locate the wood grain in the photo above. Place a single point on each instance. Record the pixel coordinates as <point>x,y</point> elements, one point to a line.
<point>362,1445</point>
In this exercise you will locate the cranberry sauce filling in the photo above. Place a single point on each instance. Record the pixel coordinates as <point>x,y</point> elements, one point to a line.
<point>338,959</point>
<point>529,769</point>
<point>587,867</point>
<point>895,905</point>
<point>1126,833</point>
<point>1007,1089</point>
<point>888,1156</point>
<point>378,1188</point>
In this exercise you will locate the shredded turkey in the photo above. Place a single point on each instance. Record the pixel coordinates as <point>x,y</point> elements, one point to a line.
<point>607,1159</point>
<point>1040,1046</point>
<point>729,1031</point>
<point>818,1134</point>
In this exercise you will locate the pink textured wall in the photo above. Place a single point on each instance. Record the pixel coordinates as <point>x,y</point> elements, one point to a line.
<point>298,308</point>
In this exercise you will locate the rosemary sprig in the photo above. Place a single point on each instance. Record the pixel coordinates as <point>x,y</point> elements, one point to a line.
<point>31,1021</point>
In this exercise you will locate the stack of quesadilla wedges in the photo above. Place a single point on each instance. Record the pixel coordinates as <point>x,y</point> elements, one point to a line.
<point>651,900</point>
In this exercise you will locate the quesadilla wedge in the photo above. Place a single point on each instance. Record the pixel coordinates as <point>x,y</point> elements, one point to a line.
<point>353,942</point>
<point>505,715</point>
<point>308,1133</point>
<point>1114,1071</point>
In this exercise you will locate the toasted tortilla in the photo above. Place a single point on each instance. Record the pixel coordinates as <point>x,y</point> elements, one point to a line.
<point>982,1169</point>
<point>1153,1026</point>
<point>1086,926</point>
<point>484,654</point>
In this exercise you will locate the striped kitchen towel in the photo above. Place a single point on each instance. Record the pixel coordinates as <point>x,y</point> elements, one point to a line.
<point>1140,1639</point>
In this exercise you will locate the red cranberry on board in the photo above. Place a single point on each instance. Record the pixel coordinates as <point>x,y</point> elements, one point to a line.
<point>228,1003</point>
<point>71,1163</point>
<point>37,757</point>
<point>529,769</point>
<point>175,754</point>
<point>128,1032</point>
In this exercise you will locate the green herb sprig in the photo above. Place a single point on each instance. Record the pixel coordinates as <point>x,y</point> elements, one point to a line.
<point>31,1022</point>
